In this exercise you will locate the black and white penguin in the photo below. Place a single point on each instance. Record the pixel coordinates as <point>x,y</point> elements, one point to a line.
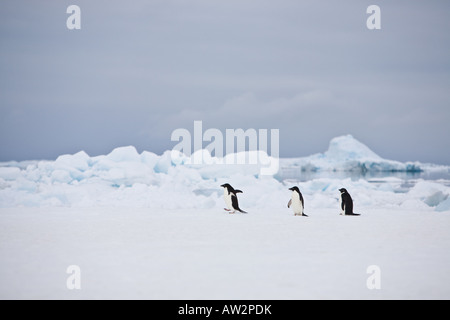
<point>231,200</point>
<point>346,203</point>
<point>297,203</point>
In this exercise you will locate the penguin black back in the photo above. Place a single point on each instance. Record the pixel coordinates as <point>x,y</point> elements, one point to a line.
<point>347,203</point>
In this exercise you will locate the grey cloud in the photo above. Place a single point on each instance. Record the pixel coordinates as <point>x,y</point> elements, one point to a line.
<point>135,72</point>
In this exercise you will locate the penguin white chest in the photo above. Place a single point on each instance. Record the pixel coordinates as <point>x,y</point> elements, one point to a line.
<point>340,206</point>
<point>227,197</point>
<point>296,204</point>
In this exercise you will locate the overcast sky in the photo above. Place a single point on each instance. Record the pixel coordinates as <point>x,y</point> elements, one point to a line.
<point>137,70</point>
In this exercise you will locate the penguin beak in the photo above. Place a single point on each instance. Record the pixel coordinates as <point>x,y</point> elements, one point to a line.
<point>292,189</point>
<point>223,186</point>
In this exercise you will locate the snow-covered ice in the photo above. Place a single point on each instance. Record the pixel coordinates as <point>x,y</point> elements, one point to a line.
<point>130,179</point>
<point>142,225</point>
<point>210,254</point>
<point>345,153</point>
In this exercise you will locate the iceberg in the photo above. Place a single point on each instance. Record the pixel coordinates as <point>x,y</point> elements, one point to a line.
<point>9,173</point>
<point>347,154</point>
<point>127,178</point>
<point>443,206</point>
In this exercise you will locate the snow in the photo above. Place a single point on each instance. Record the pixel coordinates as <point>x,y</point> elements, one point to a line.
<point>142,225</point>
<point>210,254</point>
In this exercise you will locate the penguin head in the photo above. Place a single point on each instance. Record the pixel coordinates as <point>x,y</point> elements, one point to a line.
<point>231,189</point>
<point>343,190</point>
<point>227,185</point>
<point>295,189</point>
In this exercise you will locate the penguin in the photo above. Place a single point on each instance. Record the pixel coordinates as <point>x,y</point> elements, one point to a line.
<point>231,200</point>
<point>297,202</point>
<point>346,203</point>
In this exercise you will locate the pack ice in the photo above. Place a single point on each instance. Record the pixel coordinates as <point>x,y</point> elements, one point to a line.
<point>126,178</point>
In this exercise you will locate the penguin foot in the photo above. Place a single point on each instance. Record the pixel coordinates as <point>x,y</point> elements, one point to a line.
<point>226,209</point>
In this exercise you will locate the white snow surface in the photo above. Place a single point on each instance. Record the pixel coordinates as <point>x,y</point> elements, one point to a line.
<point>210,254</point>
<point>147,226</point>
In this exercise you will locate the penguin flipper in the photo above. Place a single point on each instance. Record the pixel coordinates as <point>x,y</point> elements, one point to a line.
<point>289,203</point>
<point>238,191</point>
